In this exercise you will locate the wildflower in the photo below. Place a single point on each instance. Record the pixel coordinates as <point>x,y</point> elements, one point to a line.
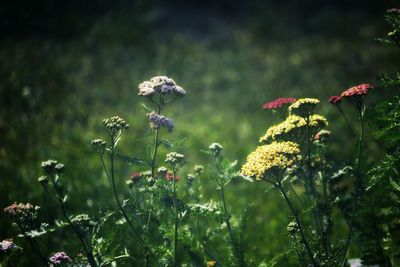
<point>99,145</point>
<point>394,10</point>
<point>162,85</point>
<point>83,222</point>
<point>198,169</point>
<point>303,106</point>
<point>359,90</point>
<point>25,214</point>
<point>287,127</point>
<point>191,177</point>
<point>335,100</point>
<point>7,245</point>
<point>215,149</point>
<point>266,158</point>
<point>292,228</point>
<point>319,121</point>
<point>48,166</point>
<point>292,127</point>
<point>356,94</point>
<point>278,103</point>
<point>146,89</point>
<point>162,170</point>
<point>115,126</point>
<point>135,177</point>
<point>322,135</point>
<point>43,180</point>
<point>157,121</point>
<point>211,263</point>
<point>175,159</point>
<point>59,258</point>
<point>169,176</point>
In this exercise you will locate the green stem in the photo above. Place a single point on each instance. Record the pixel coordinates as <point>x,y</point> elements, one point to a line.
<point>357,185</point>
<point>347,121</point>
<point>176,221</point>
<point>294,212</point>
<point>34,245</point>
<point>120,205</point>
<point>81,237</point>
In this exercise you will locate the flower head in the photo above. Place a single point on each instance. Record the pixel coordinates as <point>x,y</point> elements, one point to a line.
<point>303,106</point>
<point>278,103</point>
<point>115,125</point>
<point>162,85</point>
<point>157,121</point>
<point>7,245</point>
<point>135,177</point>
<point>335,100</point>
<point>25,214</point>
<point>83,222</point>
<point>290,126</point>
<point>215,149</point>
<point>318,121</point>
<point>394,10</point>
<point>359,90</point>
<point>322,135</point>
<point>276,156</point>
<point>198,169</point>
<point>59,258</point>
<point>175,159</point>
<point>99,145</point>
<point>169,176</point>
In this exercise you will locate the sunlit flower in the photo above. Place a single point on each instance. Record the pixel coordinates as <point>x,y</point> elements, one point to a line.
<point>303,106</point>
<point>211,263</point>
<point>359,90</point>
<point>59,258</point>
<point>157,121</point>
<point>266,158</point>
<point>198,169</point>
<point>293,126</point>
<point>175,159</point>
<point>215,148</point>
<point>162,85</point>
<point>318,121</point>
<point>115,125</point>
<point>335,100</point>
<point>278,103</point>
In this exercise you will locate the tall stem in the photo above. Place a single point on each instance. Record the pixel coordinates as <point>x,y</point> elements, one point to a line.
<point>120,207</point>
<point>294,212</point>
<point>357,185</point>
<point>156,137</point>
<point>176,221</point>
<point>81,237</point>
<point>34,245</point>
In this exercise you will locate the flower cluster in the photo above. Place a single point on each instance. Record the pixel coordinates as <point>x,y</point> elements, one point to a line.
<point>303,106</point>
<point>83,222</point>
<point>322,135</point>
<point>115,125</point>
<point>215,149</point>
<point>7,245</point>
<point>59,258</point>
<point>157,121</point>
<point>25,214</point>
<point>359,90</point>
<point>292,126</point>
<point>175,159</point>
<point>275,156</point>
<point>51,167</point>
<point>278,103</point>
<point>99,145</point>
<point>169,176</point>
<point>162,85</point>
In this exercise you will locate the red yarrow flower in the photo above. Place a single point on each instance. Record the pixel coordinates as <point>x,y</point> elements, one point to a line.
<point>335,100</point>
<point>278,103</point>
<point>169,176</point>
<point>135,176</point>
<point>359,90</point>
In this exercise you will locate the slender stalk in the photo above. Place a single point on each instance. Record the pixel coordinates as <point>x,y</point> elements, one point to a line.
<point>34,245</point>
<point>156,137</point>
<point>294,212</point>
<point>237,253</point>
<point>176,221</point>
<point>357,186</point>
<point>347,121</point>
<point>138,236</point>
<point>81,237</point>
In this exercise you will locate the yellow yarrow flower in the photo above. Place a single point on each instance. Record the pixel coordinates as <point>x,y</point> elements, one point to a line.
<point>291,124</point>
<point>303,106</point>
<point>277,155</point>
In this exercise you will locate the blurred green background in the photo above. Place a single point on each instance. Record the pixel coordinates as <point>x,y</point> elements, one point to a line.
<point>66,65</point>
